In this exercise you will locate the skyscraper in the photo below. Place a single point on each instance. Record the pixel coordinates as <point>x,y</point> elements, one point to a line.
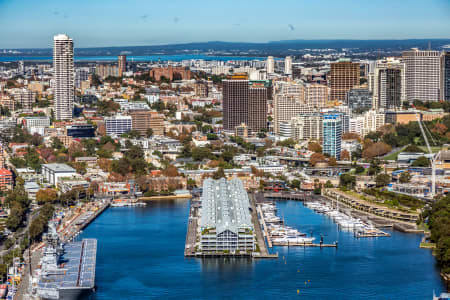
<point>332,135</point>
<point>244,102</point>
<point>235,103</point>
<point>257,107</point>
<point>63,75</point>
<point>122,62</point>
<point>270,65</point>
<point>445,76</point>
<point>422,74</point>
<point>288,66</point>
<point>344,75</point>
<point>389,84</point>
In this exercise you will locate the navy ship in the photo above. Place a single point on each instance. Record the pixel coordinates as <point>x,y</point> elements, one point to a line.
<point>67,270</point>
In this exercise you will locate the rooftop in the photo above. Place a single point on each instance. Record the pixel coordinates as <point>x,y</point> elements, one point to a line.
<point>59,167</point>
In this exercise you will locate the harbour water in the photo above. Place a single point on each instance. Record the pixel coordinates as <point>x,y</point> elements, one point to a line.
<point>140,256</point>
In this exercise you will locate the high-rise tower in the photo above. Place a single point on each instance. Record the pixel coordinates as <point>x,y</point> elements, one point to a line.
<point>64,76</point>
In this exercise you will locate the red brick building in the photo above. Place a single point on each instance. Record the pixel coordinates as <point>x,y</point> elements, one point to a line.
<point>171,73</point>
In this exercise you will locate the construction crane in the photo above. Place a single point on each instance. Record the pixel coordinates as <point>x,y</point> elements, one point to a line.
<point>433,158</point>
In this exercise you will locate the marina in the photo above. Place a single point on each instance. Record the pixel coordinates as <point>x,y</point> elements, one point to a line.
<point>156,234</point>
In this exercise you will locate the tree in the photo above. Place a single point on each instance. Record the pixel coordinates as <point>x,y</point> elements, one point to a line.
<point>57,144</point>
<point>347,180</point>
<point>171,171</point>
<point>359,169</point>
<point>345,155</point>
<point>382,180</point>
<point>219,174</point>
<point>350,136</point>
<point>149,132</point>
<point>413,148</point>
<point>375,150</point>
<point>315,158</point>
<point>405,177</point>
<point>134,134</point>
<point>332,161</point>
<point>328,184</point>
<point>422,161</point>
<point>295,183</point>
<point>46,196</point>
<point>315,147</point>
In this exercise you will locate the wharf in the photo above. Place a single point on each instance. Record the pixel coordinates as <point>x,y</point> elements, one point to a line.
<point>304,244</point>
<point>191,236</point>
<point>170,197</point>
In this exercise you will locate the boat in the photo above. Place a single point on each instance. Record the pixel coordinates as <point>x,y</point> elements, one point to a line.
<point>66,271</point>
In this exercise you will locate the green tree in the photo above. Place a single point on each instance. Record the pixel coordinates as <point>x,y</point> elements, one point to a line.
<point>219,174</point>
<point>422,161</point>
<point>405,177</point>
<point>382,180</point>
<point>347,180</point>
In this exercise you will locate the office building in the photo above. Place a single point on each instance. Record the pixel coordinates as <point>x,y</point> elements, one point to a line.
<point>118,124</point>
<point>52,172</point>
<point>332,135</point>
<point>24,97</point>
<point>41,121</point>
<point>225,222</point>
<point>359,99</point>
<point>344,75</point>
<point>80,131</point>
<point>81,74</point>
<point>288,66</point>
<point>63,71</point>
<point>423,74</point>
<point>122,63</point>
<point>270,65</point>
<point>389,84</point>
<point>445,76</point>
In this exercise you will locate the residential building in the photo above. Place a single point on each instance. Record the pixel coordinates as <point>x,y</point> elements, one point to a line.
<point>24,97</point>
<point>344,75</point>
<point>118,124</point>
<point>389,84</point>
<point>316,95</point>
<point>308,126</point>
<point>235,103</point>
<point>225,222</point>
<point>106,70</point>
<point>171,73</point>
<point>287,106</point>
<point>445,76</point>
<point>332,135</point>
<point>63,71</point>
<point>122,63</point>
<point>52,172</point>
<point>257,106</point>
<point>423,74</point>
<point>80,131</point>
<point>270,65</point>
<point>288,66</point>
<point>359,99</point>
<point>6,180</point>
<point>29,122</point>
<point>140,120</point>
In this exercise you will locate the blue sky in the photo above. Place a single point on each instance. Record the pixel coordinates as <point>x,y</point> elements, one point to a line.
<point>92,23</point>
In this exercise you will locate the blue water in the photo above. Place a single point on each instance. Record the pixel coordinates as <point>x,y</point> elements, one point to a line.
<point>140,256</point>
<point>132,58</point>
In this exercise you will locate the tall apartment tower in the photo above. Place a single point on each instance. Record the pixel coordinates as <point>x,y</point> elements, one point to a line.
<point>422,74</point>
<point>63,72</point>
<point>445,76</point>
<point>122,62</point>
<point>389,84</point>
<point>332,135</point>
<point>270,65</point>
<point>257,107</point>
<point>235,103</point>
<point>288,66</point>
<point>344,75</point>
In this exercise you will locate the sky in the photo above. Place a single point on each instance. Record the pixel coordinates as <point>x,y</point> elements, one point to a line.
<point>97,23</point>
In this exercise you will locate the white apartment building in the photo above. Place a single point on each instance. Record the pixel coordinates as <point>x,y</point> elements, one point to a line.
<point>288,66</point>
<point>308,126</point>
<point>118,124</point>
<point>316,95</point>
<point>270,65</point>
<point>286,107</point>
<point>63,72</point>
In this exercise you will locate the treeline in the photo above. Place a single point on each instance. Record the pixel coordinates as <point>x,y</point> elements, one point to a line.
<point>438,219</point>
<point>395,198</point>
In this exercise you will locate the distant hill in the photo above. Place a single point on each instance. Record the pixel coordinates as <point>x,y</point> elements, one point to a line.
<point>250,49</point>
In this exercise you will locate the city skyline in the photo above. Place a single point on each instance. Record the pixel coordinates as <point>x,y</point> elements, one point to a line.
<point>141,23</point>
